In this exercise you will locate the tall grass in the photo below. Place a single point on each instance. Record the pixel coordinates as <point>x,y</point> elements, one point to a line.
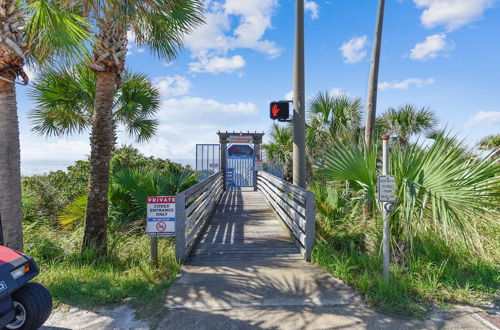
<point>89,281</point>
<point>444,232</point>
<point>441,188</point>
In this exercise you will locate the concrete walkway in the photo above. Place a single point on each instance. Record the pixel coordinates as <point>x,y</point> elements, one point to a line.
<point>246,274</point>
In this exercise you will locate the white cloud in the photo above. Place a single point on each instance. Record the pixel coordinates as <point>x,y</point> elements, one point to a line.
<point>31,72</point>
<point>172,86</point>
<point>37,148</point>
<point>354,50</point>
<point>211,36</point>
<point>337,91</point>
<point>196,110</point>
<point>186,121</point>
<point>405,84</point>
<point>451,13</point>
<point>313,9</point>
<point>217,64</point>
<point>431,47</point>
<point>289,96</point>
<point>484,118</point>
<point>217,36</point>
<point>131,42</point>
<point>214,39</point>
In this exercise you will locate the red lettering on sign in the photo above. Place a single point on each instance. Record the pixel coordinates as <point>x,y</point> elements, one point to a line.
<point>161,199</point>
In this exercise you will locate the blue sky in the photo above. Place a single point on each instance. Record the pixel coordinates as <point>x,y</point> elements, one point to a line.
<point>442,54</point>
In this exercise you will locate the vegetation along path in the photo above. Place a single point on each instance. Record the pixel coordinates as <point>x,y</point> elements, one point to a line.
<point>246,273</point>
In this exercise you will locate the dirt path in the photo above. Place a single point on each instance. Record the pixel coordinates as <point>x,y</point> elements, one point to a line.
<point>121,317</point>
<point>353,317</point>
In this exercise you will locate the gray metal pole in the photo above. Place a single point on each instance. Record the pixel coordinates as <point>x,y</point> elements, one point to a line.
<point>387,226</point>
<point>299,113</point>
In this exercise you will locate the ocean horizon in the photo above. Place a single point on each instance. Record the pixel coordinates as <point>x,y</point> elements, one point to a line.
<point>31,167</point>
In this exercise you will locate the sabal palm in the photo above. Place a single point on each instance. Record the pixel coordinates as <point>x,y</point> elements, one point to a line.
<point>280,149</point>
<point>441,187</point>
<point>491,143</point>
<point>407,120</point>
<point>65,103</point>
<point>36,32</point>
<point>158,25</point>
<point>130,188</point>
<point>331,117</point>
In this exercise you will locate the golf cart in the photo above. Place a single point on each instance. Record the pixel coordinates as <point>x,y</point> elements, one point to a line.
<point>23,304</point>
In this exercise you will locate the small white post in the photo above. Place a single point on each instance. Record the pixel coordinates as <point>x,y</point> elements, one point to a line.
<point>385,212</point>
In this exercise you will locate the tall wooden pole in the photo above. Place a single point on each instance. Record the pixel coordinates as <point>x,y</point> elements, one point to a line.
<point>299,116</point>
<point>373,79</point>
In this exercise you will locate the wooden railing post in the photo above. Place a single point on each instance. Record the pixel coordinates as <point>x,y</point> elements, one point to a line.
<point>310,229</point>
<point>255,173</point>
<point>180,226</point>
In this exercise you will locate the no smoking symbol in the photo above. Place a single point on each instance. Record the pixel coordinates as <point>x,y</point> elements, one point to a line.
<point>161,226</point>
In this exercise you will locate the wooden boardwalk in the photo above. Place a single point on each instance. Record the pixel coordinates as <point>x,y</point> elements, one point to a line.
<point>244,227</point>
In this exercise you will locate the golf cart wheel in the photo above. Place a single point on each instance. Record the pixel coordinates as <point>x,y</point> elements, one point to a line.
<point>33,305</point>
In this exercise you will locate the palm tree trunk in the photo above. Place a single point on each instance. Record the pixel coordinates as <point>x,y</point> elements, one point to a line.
<point>102,141</point>
<point>10,166</point>
<point>373,79</point>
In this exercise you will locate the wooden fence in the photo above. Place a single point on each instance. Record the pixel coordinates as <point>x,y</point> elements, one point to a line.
<point>295,207</point>
<point>193,208</point>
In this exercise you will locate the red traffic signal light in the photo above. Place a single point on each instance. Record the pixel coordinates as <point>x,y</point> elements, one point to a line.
<point>280,110</point>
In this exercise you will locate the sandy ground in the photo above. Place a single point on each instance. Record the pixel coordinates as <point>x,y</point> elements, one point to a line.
<point>122,317</point>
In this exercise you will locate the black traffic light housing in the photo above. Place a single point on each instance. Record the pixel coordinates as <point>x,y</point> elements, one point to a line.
<point>280,110</point>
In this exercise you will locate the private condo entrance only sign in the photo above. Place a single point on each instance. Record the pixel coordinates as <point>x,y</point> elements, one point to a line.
<point>161,216</point>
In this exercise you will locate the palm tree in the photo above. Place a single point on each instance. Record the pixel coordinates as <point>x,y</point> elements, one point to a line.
<point>280,150</point>
<point>407,120</point>
<point>491,143</point>
<point>37,32</point>
<point>330,118</point>
<point>373,79</point>
<point>65,101</point>
<point>158,25</point>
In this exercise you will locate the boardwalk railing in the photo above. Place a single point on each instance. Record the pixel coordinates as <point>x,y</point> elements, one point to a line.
<point>294,205</point>
<point>193,208</point>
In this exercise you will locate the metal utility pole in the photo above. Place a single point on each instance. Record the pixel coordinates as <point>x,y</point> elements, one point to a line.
<point>373,79</point>
<point>386,209</point>
<point>299,113</point>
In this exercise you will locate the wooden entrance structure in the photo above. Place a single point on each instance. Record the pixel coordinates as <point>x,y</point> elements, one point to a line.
<point>226,138</point>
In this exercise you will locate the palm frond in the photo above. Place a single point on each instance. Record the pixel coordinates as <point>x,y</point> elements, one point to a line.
<point>163,26</point>
<point>441,187</point>
<point>63,99</point>
<point>53,33</point>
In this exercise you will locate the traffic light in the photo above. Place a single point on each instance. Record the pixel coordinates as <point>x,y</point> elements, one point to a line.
<point>280,110</point>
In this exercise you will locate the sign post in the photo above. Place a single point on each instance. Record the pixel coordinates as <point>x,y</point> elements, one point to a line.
<point>160,222</point>
<point>386,194</point>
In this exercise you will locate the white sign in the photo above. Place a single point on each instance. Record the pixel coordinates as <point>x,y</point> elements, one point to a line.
<point>386,189</point>
<point>161,216</point>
